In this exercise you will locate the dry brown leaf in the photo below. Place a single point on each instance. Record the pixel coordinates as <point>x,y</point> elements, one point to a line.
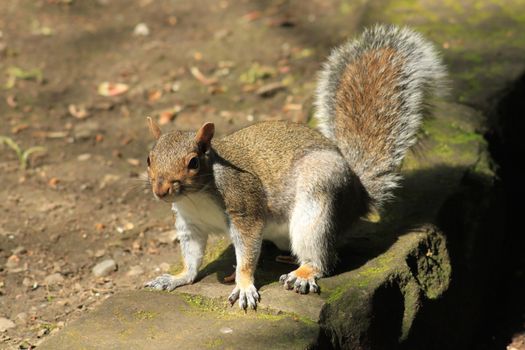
<point>197,74</point>
<point>133,161</point>
<point>79,112</point>
<point>166,117</point>
<point>53,182</point>
<point>100,226</point>
<point>11,101</point>
<point>109,89</point>
<point>252,16</point>
<point>154,95</point>
<point>17,128</point>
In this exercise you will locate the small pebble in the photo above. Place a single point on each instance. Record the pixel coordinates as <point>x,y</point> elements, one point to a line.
<point>104,268</point>
<point>54,279</point>
<point>226,330</point>
<point>19,250</point>
<point>6,324</point>
<point>84,157</point>
<point>141,29</point>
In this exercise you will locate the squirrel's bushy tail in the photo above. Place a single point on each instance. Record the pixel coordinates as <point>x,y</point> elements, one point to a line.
<point>370,97</point>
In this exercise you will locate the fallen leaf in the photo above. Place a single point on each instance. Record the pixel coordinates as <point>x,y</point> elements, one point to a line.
<point>99,226</point>
<point>126,140</point>
<point>83,157</point>
<point>11,101</point>
<point>284,69</point>
<point>112,89</point>
<point>79,112</point>
<point>133,161</point>
<point>169,115</point>
<point>53,182</point>
<point>252,16</point>
<point>292,107</point>
<point>201,77</point>
<point>16,129</point>
<point>154,95</point>
<point>213,90</point>
<point>271,89</point>
<point>166,117</point>
<point>55,134</point>
<point>172,21</point>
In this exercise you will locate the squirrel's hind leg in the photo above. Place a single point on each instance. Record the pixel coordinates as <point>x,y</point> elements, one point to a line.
<point>322,174</point>
<point>310,234</point>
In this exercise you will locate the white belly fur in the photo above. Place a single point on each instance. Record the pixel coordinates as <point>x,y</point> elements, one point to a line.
<point>200,212</point>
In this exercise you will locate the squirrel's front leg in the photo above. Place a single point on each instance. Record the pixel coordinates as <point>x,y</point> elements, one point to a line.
<point>192,246</point>
<point>247,239</point>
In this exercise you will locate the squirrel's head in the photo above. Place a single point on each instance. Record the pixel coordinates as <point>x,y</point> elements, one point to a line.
<point>178,163</point>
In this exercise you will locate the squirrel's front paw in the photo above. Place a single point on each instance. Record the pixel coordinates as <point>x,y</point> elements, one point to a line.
<point>248,297</point>
<point>166,282</point>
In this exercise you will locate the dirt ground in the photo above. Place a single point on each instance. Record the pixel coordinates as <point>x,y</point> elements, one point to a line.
<point>81,200</point>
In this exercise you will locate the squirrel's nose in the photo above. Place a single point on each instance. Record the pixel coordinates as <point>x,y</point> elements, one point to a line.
<point>162,189</point>
<point>161,193</point>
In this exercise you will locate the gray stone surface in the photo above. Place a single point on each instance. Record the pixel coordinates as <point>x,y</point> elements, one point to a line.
<point>155,320</point>
<point>5,324</point>
<point>104,267</point>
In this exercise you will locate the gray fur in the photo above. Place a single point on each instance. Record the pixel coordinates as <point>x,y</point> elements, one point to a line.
<point>422,75</point>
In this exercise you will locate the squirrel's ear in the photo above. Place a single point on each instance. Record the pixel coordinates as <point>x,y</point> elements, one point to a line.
<point>154,128</point>
<point>204,136</point>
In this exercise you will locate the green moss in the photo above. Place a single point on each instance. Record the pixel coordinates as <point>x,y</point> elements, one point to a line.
<point>203,304</point>
<point>214,343</point>
<point>256,72</point>
<point>473,57</point>
<point>222,310</point>
<point>484,166</point>
<point>346,7</point>
<point>312,122</point>
<point>365,277</point>
<point>145,315</point>
<point>451,142</point>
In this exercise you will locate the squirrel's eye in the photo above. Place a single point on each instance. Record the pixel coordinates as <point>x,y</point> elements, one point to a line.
<point>148,161</point>
<point>194,163</point>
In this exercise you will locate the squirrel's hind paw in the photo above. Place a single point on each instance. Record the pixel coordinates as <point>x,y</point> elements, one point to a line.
<point>166,282</point>
<point>248,297</point>
<point>301,284</point>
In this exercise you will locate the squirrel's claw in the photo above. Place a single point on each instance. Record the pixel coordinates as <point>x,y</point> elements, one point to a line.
<point>248,297</point>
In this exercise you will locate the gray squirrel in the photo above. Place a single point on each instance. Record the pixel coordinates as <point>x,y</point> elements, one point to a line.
<point>293,185</point>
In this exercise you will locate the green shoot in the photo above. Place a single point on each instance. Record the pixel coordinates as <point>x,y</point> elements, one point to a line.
<point>23,155</point>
